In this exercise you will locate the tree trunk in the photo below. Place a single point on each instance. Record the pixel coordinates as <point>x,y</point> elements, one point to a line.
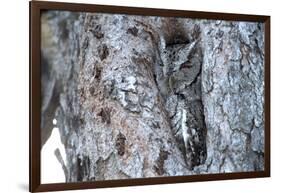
<point>139,97</point>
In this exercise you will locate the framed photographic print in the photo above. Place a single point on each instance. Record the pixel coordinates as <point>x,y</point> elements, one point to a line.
<point>123,96</point>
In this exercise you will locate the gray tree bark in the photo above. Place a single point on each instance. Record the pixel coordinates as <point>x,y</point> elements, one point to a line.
<point>139,97</point>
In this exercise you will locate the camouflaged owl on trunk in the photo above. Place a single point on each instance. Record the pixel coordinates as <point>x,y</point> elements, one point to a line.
<point>181,89</point>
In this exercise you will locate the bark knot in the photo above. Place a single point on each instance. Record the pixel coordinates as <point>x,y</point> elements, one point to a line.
<point>120,144</point>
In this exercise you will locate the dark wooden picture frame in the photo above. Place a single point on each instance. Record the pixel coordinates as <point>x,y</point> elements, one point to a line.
<point>36,7</point>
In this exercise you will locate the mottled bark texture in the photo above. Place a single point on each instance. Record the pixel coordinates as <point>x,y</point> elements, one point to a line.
<point>140,97</point>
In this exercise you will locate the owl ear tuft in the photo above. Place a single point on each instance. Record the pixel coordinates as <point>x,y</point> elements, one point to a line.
<point>196,32</point>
